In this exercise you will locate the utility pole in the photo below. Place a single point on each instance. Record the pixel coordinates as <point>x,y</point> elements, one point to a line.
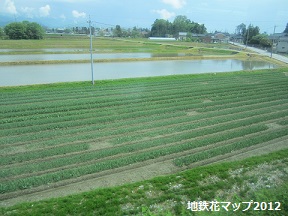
<point>273,41</point>
<point>91,53</point>
<point>247,35</point>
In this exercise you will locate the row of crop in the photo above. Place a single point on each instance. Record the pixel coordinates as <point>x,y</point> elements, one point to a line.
<point>117,116</point>
<point>35,181</point>
<point>31,155</point>
<point>244,143</point>
<point>91,94</point>
<point>88,102</point>
<point>74,115</point>
<point>94,92</point>
<point>72,92</point>
<point>97,128</point>
<point>117,113</point>
<point>78,110</point>
<point>199,120</point>
<point>118,128</point>
<point>237,119</point>
<point>188,132</point>
<point>92,120</point>
<point>210,108</point>
<point>102,113</point>
<point>71,118</point>
<point>283,122</point>
<point>139,129</point>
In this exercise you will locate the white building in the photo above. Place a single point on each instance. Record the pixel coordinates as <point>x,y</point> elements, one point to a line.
<point>282,45</point>
<point>162,38</point>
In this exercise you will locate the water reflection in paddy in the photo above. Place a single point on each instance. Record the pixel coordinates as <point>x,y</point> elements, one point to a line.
<point>39,74</point>
<point>51,57</point>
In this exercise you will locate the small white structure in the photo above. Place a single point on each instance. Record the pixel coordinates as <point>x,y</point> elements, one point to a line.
<point>162,38</point>
<point>282,45</point>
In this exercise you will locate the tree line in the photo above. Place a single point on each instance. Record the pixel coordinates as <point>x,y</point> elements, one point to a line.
<point>164,28</point>
<point>160,28</point>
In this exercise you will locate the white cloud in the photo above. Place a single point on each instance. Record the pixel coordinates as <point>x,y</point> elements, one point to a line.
<point>77,14</point>
<point>164,13</point>
<point>28,11</point>
<point>10,7</point>
<point>175,3</point>
<point>44,11</point>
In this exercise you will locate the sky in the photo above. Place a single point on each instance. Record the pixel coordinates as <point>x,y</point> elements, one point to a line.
<point>216,15</point>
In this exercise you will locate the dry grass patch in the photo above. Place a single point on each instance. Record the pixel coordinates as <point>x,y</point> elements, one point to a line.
<point>207,101</point>
<point>273,126</point>
<point>99,145</point>
<point>192,113</point>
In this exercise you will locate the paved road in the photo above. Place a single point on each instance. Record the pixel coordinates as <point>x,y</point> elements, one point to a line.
<point>265,53</point>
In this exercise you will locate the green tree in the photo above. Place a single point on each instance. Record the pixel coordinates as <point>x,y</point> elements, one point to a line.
<point>197,28</point>
<point>118,31</point>
<point>250,33</point>
<point>24,30</point>
<point>181,24</point>
<point>34,31</point>
<point>261,40</point>
<point>241,29</point>
<point>135,33</point>
<point>15,31</point>
<point>161,28</point>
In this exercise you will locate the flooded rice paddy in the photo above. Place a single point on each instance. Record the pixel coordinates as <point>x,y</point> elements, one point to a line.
<point>15,75</point>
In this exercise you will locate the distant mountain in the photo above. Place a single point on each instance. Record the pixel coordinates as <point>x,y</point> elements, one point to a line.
<point>48,22</point>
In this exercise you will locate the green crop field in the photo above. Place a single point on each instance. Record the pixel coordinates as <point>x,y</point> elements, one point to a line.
<point>58,134</point>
